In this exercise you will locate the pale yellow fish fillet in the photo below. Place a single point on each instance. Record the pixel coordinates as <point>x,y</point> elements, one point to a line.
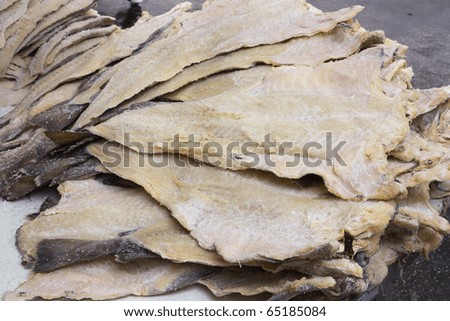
<point>38,63</point>
<point>424,241</point>
<point>334,105</point>
<point>417,205</point>
<point>71,52</point>
<point>7,3</point>
<point>120,44</point>
<point>79,38</point>
<point>11,14</point>
<point>431,99</point>
<point>440,172</point>
<point>377,269</point>
<point>47,33</point>
<point>33,21</point>
<point>416,148</point>
<point>91,211</point>
<point>62,14</point>
<point>108,212</point>
<point>10,97</point>
<point>334,267</point>
<point>248,282</point>
<point>56,96</point>
<point>435,125</point>
<point>241,29</point>
<point>237,213</point>
<point>427,146</point>
<point>93,86</point>
<point>339,43</point>
<point>106,280</point>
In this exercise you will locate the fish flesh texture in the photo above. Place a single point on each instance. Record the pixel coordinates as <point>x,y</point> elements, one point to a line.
<point>295,106</point>
<point>245,224</point>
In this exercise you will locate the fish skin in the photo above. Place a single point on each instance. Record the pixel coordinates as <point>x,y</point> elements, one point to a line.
<point>58,237</point>
<point>57,253</point>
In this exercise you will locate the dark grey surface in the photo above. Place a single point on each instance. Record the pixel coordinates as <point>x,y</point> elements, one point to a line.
<point>424,26</point>
<point>155,7</point>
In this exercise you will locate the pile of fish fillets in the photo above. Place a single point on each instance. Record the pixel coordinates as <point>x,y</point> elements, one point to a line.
<point>251,147</point>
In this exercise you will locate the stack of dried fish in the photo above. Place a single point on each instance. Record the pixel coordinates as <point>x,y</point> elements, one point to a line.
<point>251,147</point>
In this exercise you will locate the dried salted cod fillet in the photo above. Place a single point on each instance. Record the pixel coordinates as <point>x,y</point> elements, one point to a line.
<point>74,51</point>
<point>11,14</point>
<point>39,60</point>
<point>251,281</point>
<point>10,97</point>
<point>46,34</point>
<point>50,111</point>
<point>20,61</point>
<point>341,42</point>
<point>432,144</point>
<point>417,206</point>
<point>146,211</point>
<point>377,269</point>
<point>6,3</point>
<point>31,164</point>
<point>426,240</point>
<point>332,105</point>
<point>422,238</point>
<point>53,98</point>
<point>440,172</point>
<point>164,237</point>
<point>78,38</point>
<point>431,98</point>
<point>20,140</point>
<point>106,280</point>
<point>59,236</point>
<point>236,213</point>
<point>36,174</point>
<point>219,84</point>
<point>440,203</point>
<point>171,241</point>
<point>334,267</point>
<point>416,148</point>
<point>86,170</point>
<point>39,14</point>
<point>118,46</point>
<point>94,85</point>
<point>242,28</point>
<point>48,22</point>
<point>440,190</point>
<point>94,220</point>
<point>435,125</point>
<point>37,143</point>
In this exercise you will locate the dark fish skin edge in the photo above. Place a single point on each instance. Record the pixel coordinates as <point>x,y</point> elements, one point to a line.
<point>57,253</point>
<point>288,295</point>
